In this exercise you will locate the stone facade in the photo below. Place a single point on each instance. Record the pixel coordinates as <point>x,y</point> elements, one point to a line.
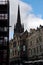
<point>18,46</point>
<point>35,43</point>
<point>18,28</point>
<point>15,42</point>
<point>28,44</point>
<point>14,47</point>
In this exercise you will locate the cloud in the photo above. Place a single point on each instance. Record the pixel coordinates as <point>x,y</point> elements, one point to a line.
<point>25,9</point>
<point>32,21</point>
<point>13,16</point>
<point>13,11</point>
<point>29,19</point>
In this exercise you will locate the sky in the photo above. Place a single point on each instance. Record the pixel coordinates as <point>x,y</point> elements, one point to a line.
<point>31,12</point>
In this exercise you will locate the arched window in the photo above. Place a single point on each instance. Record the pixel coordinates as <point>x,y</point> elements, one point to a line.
<point>14,44</point>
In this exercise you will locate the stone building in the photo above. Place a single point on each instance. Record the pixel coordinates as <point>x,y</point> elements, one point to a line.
<point>23,45</point>
<point>18,28</point>
<point>35,43</point>
<point>18,46</point>
<point>14,47</point>
<point>26,45</point>
<point>15,42</point>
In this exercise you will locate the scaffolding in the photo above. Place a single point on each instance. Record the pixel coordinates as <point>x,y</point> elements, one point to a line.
<point>4,32</point>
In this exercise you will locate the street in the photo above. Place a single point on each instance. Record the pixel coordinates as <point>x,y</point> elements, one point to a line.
<point>36,62</point>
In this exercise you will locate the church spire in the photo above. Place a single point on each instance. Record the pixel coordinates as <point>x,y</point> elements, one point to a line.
<point>18,16</point>
<point>19,28</point>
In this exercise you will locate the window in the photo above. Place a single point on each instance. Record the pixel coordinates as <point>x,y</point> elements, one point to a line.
<point>18,42</point>
<point>37,41</point>
<point>40,39</point>
<point>3,16</point>
<point>18,53</point>
<point>14,44</point>
<point>6,16</point>
<point>1,29</point>
<point>15,52</point>
<point>5,28</point>
<point>31,51</point>
<point>24,48</point>
<point>6,39</point>
<point>34,50</point>
<point>18,48</point>
<point>1,41</point>
<point>37,49</point>
<point>40,49</point>
<point>30,43</point>
<point>10,50</point>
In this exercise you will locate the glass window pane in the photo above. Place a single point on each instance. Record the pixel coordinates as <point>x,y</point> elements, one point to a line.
<point>3,16</point>
<point>6,39</point>
<point>6,16</point>
<point>14,44</point>
<point>5,28</point>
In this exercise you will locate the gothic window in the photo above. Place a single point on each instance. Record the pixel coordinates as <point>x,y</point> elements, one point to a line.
<point>1,29</point>
<point>40,49</point>
<point>37,41</point>
<point>24,48</point>
<point>14,38</point>
<point>30,43</point>
<point>11,51</point>
<point>14,44</point>
<point>31,51</point>
<point>4,53</point>
<point>40,39</point>
<point>37,49</point>
<point>1,41</point>
<point>18,53</point>
<point>18,43</point>
<point>34,50</point>
<point>15,52</point>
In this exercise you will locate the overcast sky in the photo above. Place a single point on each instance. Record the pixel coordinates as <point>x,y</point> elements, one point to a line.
<point>30,17</point>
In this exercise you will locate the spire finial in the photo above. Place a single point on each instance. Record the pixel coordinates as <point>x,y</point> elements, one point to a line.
<point>18,15</point>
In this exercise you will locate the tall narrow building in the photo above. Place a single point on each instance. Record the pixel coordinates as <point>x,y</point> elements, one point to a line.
<point>19,28</point>
<point>4,32</point>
